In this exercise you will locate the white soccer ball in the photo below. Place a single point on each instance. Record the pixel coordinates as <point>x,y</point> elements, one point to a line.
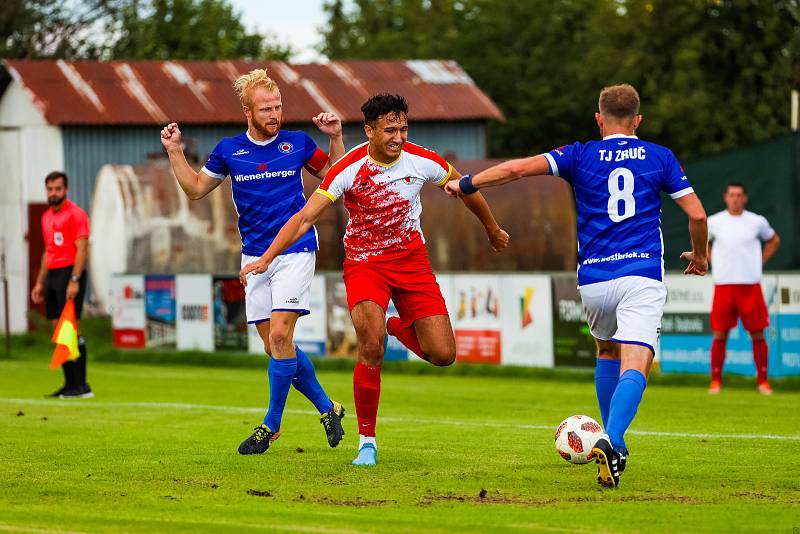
<point>575,437</point>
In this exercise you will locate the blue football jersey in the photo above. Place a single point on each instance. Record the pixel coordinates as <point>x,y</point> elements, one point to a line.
<point>618,183</point>
<point>267,183</point>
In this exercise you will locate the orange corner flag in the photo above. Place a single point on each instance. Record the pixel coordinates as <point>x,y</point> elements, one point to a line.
<point>65,337</point>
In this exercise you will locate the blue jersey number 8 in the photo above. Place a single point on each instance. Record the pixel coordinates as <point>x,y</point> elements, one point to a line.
<point>625,194</point>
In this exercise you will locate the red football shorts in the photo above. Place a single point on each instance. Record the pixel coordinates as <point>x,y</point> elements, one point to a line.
<point>735,301</point>
<point>408,280</point>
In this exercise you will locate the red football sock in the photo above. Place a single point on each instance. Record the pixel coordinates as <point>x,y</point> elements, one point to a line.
<point>367,393</point>
<point>717,358</point>
<point>760,357</point>
<point>406,335</point>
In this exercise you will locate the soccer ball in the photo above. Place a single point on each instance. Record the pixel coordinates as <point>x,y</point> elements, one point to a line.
<point>575,437</point>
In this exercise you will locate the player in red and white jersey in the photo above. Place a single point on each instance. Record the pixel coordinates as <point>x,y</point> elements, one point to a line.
<point>736,237</point>
<point>383,200</point>
<point>380,182</point>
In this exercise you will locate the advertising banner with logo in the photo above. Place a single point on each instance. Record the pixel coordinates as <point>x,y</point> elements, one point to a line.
<point>476,318</point>
<point>195,327</point>
<point>573,344</point>
<point>686,328</point>
<point>128,319</point>
<point>159,303</point>
<point>788,297</point>
<point>527,331</point>
<point>686,325</point>
<point>230,319</point>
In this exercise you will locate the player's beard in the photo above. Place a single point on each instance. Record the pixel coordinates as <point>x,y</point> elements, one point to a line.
<point>56,200</point>
<point>267,129</point>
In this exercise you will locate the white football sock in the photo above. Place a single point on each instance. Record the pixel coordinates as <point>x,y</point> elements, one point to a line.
<point>362,439</point>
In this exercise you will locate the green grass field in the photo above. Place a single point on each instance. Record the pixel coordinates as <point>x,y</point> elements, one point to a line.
<point>155,451</point>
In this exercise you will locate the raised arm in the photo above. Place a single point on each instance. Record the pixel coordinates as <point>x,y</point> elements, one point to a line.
<point>698,231</point>
<point>294,228</point>
<point>502,173</point>
<point>196,184</point>
<point>330,125</point>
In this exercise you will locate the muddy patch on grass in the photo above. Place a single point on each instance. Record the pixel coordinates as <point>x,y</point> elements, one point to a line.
<point>357,502</point>
<point>683,499</point>
<point>495,497</point>
<point>259,493</point>
<point>755,496</point>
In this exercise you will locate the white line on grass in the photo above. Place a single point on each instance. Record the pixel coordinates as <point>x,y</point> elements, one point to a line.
<point>419,420</point>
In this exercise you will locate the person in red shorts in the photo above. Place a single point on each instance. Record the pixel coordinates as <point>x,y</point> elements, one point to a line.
<point>62,274</point>
<point>737,237</point>
<point>385,254</point>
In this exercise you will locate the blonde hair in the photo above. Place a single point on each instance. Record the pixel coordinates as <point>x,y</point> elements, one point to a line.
<point>619,101</point>
<point>245,84</point>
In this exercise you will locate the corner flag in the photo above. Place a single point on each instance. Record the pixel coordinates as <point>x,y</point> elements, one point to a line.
<point>65,336</point>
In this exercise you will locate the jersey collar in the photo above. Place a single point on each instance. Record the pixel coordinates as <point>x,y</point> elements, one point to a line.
<point>387,165</point>
<point>261,143</point>
<point>618,136</point>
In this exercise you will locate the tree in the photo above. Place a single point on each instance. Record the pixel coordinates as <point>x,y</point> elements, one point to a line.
<point>711,74</point>
<point>130,29</point>
<point>31,29</point>
<point>189,29</point>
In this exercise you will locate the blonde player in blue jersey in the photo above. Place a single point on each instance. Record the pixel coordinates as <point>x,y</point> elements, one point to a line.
<point>618,183</point>
<point>265,164</point>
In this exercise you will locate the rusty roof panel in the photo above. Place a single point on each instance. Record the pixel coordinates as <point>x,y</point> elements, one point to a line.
<point>200,92</point>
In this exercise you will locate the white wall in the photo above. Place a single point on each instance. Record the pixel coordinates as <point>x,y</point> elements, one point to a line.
<point>29,149</point>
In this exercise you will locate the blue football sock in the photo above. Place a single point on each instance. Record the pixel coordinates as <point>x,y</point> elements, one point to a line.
<point>280,381</point>
<point>606,377</point>
<point>305,381</point>
<point>624,405</point>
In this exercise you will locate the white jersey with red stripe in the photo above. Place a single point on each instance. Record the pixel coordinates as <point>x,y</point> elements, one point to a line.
<point>383,199</point>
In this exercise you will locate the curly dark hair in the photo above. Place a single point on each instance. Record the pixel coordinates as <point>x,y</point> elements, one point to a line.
<point>55,175</point>
<point>383,104</point>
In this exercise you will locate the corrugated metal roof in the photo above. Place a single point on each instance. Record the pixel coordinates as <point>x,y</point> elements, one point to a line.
<point>200,92</point>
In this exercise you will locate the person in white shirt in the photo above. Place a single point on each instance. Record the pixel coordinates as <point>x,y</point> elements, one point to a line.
<point>736,239</point>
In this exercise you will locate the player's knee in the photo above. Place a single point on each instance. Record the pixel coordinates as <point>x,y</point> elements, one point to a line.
<point>279,340</point>
<point>443,358</point>
<point>757,335</point>
<point>371,351</point>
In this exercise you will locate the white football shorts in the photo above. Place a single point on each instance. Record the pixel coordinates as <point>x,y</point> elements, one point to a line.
<point>625,310</point>
<point>286,286</point>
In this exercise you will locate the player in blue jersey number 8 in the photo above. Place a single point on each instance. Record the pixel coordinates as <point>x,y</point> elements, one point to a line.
<point>618,183</point>
<point>265,165</point>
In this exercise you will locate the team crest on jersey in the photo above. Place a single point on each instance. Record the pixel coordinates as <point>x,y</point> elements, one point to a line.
<point>285,147</point>
<point>407,179</point>
<point>58,238</point>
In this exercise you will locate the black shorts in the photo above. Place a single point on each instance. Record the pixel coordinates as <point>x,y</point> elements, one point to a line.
<point>55,292</point>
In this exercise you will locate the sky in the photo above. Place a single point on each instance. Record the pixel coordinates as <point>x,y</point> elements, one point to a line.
<point>296,21</point>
